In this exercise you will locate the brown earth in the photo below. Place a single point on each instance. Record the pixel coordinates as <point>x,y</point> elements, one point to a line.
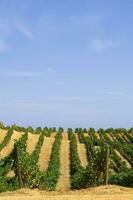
<point>123,159</point>
<point>45,153</point>
<point>98,136</point>
<point>53,134</point>
<point>110,137</point>
<point>2,135</point>
<point>82,154</point>
<point>10,174</point>
<point>86,134</point>
<point>77,138</point>
<point>125,137</point>
<point>98,193</point>
<point>113,136</point>
<point>32,142</point>
<point>64,179</point>
<point>9,147</point>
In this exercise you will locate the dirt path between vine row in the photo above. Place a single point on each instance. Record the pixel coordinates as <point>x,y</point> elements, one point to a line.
<point>32,142</point>
<point>126,138</point>
<point>86,134</point>
<point>10,174</point>
<point>113,137</point>
<point>2,135</point>
<point>65,136</point>
<point>99,193</point>
<point>9,147</point>
<point>109,136</point>
<point>97,135</point>
<point>53,134</point>
<point>45,153</point>
<point>77,138</point>
<point>82,154</point>
<point>64,179</point>
<point>123,159</point>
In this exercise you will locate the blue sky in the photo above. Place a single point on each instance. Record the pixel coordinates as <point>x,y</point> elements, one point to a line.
<point>66,63</point>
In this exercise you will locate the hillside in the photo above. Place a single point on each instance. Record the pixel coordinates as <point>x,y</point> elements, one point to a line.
<point>51,160</point>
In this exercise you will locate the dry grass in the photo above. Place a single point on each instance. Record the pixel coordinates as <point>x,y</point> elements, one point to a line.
<point>2,135</point>
<point>45,153</point>
<point>10,174</point>
<point>9,147</point>
<point>77,138</point>
<point>32,142</point>
<point>64,180</point>
<point>86,134</point>
<point>53,134</point>
<point>98,136</point>
<point>82,154</point>
<point>110,137</point>
<point>123,159</point>
<point>99,193</point>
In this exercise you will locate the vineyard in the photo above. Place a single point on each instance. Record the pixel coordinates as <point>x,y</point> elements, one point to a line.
<point>51,159</point>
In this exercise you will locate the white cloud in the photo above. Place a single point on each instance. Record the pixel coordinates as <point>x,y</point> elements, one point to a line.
<point>3,46</point>
<point>112,93</point>
<point>24,30</point>
<point>21,73</point>
<point>99,45</point>
<point>27,73</point>
<point>68,99</point>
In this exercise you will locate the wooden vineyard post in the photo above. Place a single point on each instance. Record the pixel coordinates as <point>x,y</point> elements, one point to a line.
<point>106,165</point>
<point>18,166</point>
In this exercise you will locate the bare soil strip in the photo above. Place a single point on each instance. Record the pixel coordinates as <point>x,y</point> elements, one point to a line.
<point>77,138</point>
<point>125,137</point>
<point>71,197</point>
<point>82,154</point>
<point>97,135</point>
<point>2,135</point>
<point>123,159</point>
<point>65,136</point>
<point>98,193</point>
<point>109,136</point>
<point>86,134</point>
<point>32,142</point>
<point>53,134</point>
<point>113,137</point>
<point>10,174</point>
<point>9,147</point>
<point>64,180</point>
<point>45,153</point>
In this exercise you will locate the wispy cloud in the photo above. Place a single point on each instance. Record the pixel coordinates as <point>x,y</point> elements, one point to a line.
<point>68,99</point>
<point>24,30</point>
<point>112,93</point>
<point>99,45</point>
<point>21,73</point>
